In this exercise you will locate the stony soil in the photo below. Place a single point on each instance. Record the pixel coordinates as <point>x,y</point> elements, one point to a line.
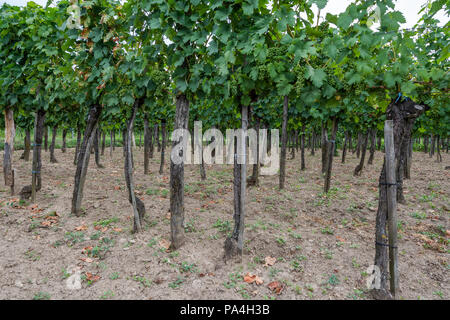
<point>322,245</point>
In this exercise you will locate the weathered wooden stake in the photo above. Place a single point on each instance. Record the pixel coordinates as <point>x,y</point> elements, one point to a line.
<point>391,205</point>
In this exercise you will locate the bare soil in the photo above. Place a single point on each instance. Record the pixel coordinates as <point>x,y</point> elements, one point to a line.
<point>322,245</point>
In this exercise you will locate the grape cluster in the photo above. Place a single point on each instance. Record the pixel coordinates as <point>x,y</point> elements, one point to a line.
<point>277,53</point>
<point>359,88</point>
<point>234,87</point>
<point>159,78</point>
<point>299,72</point>
<point>263,74</point>
<point>332,79</point>
<point>346,87</point>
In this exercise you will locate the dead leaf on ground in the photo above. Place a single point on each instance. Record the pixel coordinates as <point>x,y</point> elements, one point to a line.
<point>276,287</point>
<point>270,261</point>
<point>163,243</point>
<point>91,277</point>
<point>100,228</point>
<point>81,228</point>
<point>250,278</point>
<point>46,223</point>
<point>86,249</point>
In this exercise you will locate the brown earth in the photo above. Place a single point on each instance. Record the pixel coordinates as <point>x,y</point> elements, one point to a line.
<point>323,245</point>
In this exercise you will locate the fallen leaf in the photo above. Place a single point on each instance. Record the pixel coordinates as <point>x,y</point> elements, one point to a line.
<point>46,223</point>
<point>86,249</point>
<point>276,287</point>
<point>250,278</point>
<point>117,229</point>
<point>81,228</point>
<point>270,261</point>
<point>163,243</point>
<point>88,260</point>
<point>91,277</point>
<point>100,228</point>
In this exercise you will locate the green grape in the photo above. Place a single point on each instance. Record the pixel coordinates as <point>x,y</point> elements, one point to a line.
<point>276,53</point>
<point>300,75</point>
<point>234,87</point>
<point>332,80</point>
<point>347,87</point>
<point>262,72</point>
<point>160,79</point>
<point>359,88</point>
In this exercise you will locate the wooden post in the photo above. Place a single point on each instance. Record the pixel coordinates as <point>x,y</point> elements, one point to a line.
<point>244,120</point>
<point>391,205</point>
<point>10,133</point>
<point>283,143</point>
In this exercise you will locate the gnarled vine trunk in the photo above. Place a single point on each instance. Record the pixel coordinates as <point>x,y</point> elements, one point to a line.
<point>103,135</point>
<point>302,149</point>
<point>293,136</point>
<point>254,179</point>
<point>64,136</point>
<point>163,145</point>
<point>344,148</point>
<point>52,145</point>
<point>373,137</point>
<point>46,139</point>
<point>137,204</point>
<point>10,132</point>
<point>360,166</point>
<point>234,245</point>
<point>177,176</point>
<point>438,150</point>
<point>433,145</point>
<point>147,137</point>
<point>96,148</point>
<point>157,133</point>
<point>36,180</point>
<point>111,142</point>
<point>83,158</point>
<point>401,113</point>
<point>27,146</point>
<point>77,148</point>
<point>358,145</point>
<point>400,169</point>
<point>283,143</point>
<point>330,152</point>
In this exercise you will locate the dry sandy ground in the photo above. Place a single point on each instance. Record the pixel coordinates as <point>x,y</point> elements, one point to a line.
<point>322,245</point>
